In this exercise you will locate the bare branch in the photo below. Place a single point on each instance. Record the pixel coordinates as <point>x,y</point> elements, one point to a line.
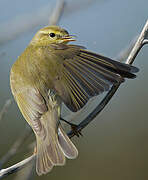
<point>54,19</point>
<point>5,108</point>
<point>96,111</point>
<point>122,56</point>
<point>138,45</point>
<point>23,23</point>
<point>26,22</point>
<point>140,42</point>
<point>57,12</point>
<point>14,148</point>
<point>26,173</point>
<point>76,6</point>
<point>16,167</point>
<point>145,41</point>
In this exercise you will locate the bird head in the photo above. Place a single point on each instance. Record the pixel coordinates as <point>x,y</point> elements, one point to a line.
<point>52,35</point>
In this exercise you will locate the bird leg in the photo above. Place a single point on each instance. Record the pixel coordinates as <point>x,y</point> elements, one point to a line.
<point>73,127</point>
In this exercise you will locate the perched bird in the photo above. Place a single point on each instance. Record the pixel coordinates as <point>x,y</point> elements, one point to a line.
<point>50,72</point>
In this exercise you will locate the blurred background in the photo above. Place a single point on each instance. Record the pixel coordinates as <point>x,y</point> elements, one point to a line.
<point>114,146</point>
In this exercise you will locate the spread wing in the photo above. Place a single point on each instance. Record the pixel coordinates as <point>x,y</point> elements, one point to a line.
<point>85,74</point>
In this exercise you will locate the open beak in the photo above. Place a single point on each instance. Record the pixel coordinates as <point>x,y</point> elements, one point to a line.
<point>68,38</point>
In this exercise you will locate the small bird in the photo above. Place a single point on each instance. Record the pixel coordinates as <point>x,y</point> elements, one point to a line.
<point>51,72</point>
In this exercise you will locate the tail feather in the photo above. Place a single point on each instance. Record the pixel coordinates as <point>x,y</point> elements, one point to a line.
<point>68,148</point>
<point>52,149</point>
<point>48,155</point>
<point>49,152</point>
<point>43,161</point>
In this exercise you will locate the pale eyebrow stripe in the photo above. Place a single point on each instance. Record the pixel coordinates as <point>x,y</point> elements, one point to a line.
<point>43,32</point>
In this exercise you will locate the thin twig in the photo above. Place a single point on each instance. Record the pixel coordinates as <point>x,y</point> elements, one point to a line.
<point>96,111</point>
<point>54,19</point>
<point>23,23</point>
<point>26,173</point>
<point>17,144</point>
<point>16,167</point>
<point>28,21</point>
<point>5,108</point>
<point>122,56</point>
<point>57,12</point>
<point>140,42</point>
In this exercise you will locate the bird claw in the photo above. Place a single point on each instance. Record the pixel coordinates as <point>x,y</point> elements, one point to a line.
<point>74,128</point>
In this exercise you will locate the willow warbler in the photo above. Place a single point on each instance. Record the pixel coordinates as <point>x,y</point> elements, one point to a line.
<point>50,72</point>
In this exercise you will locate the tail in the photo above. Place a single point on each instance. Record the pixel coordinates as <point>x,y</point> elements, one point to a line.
<point>67,147</point>
<point>52,150</point>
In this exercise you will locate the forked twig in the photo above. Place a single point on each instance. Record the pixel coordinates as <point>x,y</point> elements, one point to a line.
<point>142,40</point>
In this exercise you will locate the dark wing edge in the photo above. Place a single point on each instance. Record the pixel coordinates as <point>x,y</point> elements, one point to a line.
<point>87,74</point>
<point>125,70</point>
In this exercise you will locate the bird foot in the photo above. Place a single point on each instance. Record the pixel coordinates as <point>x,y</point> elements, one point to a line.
<point>74,128</point>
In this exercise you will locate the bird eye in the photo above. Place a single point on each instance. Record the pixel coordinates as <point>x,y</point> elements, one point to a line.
<point>52,34</point>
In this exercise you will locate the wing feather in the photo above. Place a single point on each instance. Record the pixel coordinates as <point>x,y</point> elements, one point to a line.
<point>85,74</point>
<point>32,106</point>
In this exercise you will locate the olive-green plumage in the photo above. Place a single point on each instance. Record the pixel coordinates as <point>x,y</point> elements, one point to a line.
<point>50,72</point>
